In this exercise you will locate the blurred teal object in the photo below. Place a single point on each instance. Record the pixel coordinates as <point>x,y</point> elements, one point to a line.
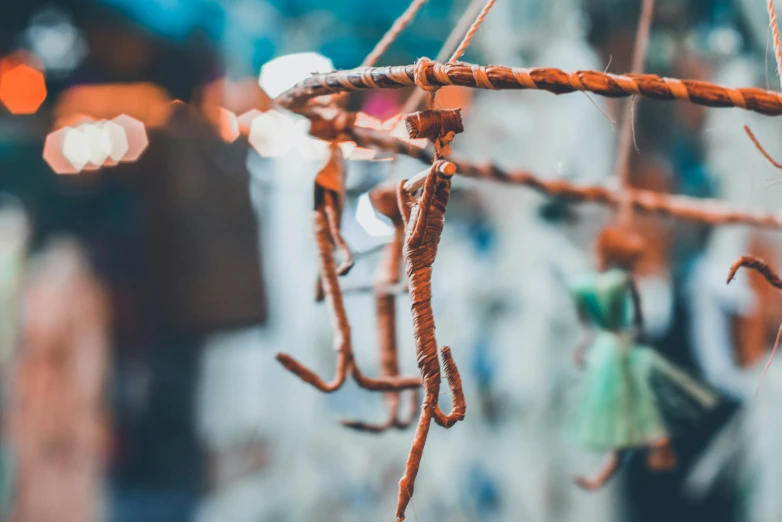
<point>619,408</point>
<point>6,481</point>
<point>14,230</point>
<point>170,18</point>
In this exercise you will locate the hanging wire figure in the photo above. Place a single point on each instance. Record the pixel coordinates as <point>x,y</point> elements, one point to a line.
<point>620,408</point>
<point>329,203</point>
<point>424,218</point>
<point>384,201</point>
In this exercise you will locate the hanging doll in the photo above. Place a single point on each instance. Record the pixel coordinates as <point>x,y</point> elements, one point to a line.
<point>621,408</point>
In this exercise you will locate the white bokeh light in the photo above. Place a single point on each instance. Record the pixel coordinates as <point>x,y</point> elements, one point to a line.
<point>366,216</point>
<point>117,140</point>
<point>273,134</point>
<point>76,148</point>
<point>98,142</point>
<point>282,73</point>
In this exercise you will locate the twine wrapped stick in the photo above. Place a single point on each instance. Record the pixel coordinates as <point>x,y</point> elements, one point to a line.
<point>700,210</point>
<point>549,79</point>
<point>424,218</point>
<point>384,200</point>
<point>329,188</point>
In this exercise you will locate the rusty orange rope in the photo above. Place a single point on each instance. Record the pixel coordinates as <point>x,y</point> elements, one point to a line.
<point>760,147</point>
<point>622,167</point>
<point>772,20</point>
<point>548,79</point>
<point>450,44</point>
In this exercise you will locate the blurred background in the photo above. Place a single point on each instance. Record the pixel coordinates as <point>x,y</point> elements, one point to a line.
<point>156,252</point>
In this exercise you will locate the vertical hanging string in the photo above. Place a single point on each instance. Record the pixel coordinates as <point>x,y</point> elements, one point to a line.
<point>622,166</point>
<point>473,29</point>
<point>393,33</point>
<point>772,20</point>
<point>462,46</point>
<point>453,40</point>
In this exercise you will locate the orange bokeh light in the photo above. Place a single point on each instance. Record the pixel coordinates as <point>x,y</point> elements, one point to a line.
<point>22,87</point>
<point>455,97</point>
<point>227,124</point>
<point>237,96</point>
<point>146,102</point>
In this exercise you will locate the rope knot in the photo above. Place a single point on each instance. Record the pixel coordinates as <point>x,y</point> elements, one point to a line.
<point>420,78</point>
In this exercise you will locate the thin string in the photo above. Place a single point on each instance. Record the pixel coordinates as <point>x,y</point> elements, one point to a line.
<point>464,43</point>
<point>760,147</point>
<point>451,43</point>
<point>466,40</point>
<point>770,359</point>
<point>626,138</point>
<point>473,29</point>
<point>772,19</point>
<point>393,32</point>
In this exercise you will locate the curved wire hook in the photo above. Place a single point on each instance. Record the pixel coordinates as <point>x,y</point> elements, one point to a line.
<point>328,185</point>
<point>418,264</point>
<point>760,266</point>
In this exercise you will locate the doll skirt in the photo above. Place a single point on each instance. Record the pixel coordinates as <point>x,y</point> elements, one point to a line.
<point>619,407</point>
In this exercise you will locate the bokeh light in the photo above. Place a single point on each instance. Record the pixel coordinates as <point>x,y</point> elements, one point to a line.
<point>370,221</point>
<point>54,38</point>
<point>245,121</point>
<point>308,147</point>
<point>98,143</point>
<point>87,146</point>
<point>136,136</point>
<point>145,102</point>
<point>22,87</point>
<point>273,134</point>
<point>53,152</point>
<point>282,73</point>
<point>228,126</point>
<point>117,140</point>
<point>76,148</point>
<point>238,96</point>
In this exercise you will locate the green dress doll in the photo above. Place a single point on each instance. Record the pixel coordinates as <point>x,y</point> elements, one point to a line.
<point>621,408</point>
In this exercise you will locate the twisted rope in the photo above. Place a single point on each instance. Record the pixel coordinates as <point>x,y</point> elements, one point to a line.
<point>448,47</point>
<point>548,79</point>
<point>420,78</point>
<point>772,20</point>
<point>621,169</point>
